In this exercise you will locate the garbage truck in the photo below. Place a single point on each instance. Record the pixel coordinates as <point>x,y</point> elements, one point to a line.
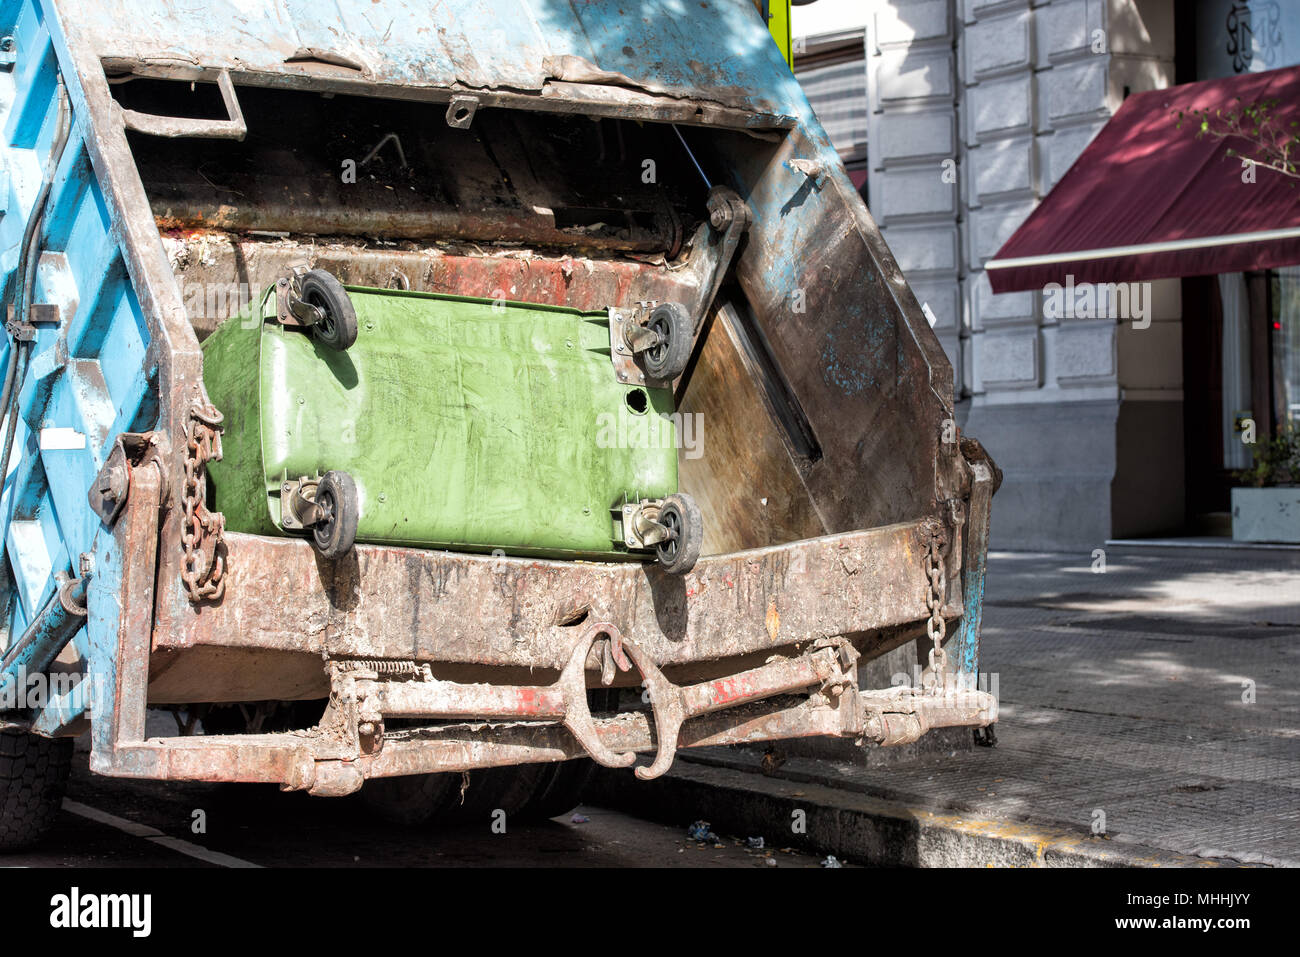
<point>440,402</point>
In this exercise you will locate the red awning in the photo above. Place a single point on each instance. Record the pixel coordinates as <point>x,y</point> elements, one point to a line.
<point>1147,200</point>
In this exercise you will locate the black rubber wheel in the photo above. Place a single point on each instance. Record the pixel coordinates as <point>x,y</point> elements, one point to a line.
<point>668,359</point>
<point>413,800</point>
<point>336,533</point>
<point>338,327</point>
<point>33,779</point>
<point>490,790</point>
<point>681,516</point>
<point>559,790</point>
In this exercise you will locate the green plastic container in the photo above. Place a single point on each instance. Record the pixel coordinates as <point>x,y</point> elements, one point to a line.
<point>465,424</point>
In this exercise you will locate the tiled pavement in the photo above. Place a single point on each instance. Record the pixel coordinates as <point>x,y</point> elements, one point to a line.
<point>1125,698</point>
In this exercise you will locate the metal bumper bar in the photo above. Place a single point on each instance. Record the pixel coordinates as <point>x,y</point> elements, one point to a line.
<point>496,611</point>
<point>811,694</point>
<point>307,761</point>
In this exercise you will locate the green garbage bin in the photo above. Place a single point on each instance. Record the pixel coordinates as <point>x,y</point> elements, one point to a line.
<point>409,418</point>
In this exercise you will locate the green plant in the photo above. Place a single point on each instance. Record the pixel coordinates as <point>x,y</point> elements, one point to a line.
<point>1277,461</point>
<point>1271,144</point>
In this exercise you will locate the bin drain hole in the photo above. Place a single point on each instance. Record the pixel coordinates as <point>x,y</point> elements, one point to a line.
<point>638,401</point>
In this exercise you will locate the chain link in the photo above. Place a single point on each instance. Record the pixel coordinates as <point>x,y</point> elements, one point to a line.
<point>936,627</point>
<point>203,531</point>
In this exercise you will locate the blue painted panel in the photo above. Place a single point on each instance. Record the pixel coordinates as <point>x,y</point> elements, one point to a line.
<point>717,50</point>
<point>35,74</point>
<point>89,374</point>
<point>73,177</point>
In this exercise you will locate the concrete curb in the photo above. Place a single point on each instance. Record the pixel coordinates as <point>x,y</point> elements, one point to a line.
<point>859,828</point>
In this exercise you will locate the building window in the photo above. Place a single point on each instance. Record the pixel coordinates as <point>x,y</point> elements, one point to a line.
<point>832,70</point>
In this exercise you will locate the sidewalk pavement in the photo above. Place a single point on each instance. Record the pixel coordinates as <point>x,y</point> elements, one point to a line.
<point>1150,715</point>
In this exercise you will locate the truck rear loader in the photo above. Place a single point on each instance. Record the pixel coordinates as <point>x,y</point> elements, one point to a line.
<point>625,230</point>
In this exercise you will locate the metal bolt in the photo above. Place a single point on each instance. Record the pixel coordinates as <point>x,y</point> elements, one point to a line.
<point>86,562</point>
<point>622,377</point>
<point>383,496</point>
<point>113,484</point>
<point>302,400</point>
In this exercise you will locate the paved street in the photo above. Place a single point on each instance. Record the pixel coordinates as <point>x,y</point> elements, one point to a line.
<point>1163,693</point>
<point>1126,707</point>
<point>123,823</point>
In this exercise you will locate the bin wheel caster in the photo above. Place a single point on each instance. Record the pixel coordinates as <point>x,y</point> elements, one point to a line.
<point>667,359</point>
<point>681,516</point>
<point>336,531</point>
<point>337,327</point>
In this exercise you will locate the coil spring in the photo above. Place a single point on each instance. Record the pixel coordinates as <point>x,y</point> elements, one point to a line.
<point>382,666</point>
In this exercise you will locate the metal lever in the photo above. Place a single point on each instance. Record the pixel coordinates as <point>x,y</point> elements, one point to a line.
<point>674,704</point>
<point>728,215</point>
<point>177,126</point>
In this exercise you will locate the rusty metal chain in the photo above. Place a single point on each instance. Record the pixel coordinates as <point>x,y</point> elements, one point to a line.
<point>203,531</point>
<point>936,627</point>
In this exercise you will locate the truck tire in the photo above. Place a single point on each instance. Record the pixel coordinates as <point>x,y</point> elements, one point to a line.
<point>33,778</point>
<point>413,800</point>
<point>529,792</point>
<point>490,790</point>
<point>559,791</point>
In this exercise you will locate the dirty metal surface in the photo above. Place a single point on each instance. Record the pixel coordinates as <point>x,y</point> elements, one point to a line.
<point>985,479</point>
<point>171,359</point>
<point>326,766</point>
<point>380,168</point>
<point>362,697</point>
<point>120,602</point>
<point>220,272</point>
<point>848,335</point>
<point>740,465</point>
<point>386,602</point>
<point>506,46</point>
